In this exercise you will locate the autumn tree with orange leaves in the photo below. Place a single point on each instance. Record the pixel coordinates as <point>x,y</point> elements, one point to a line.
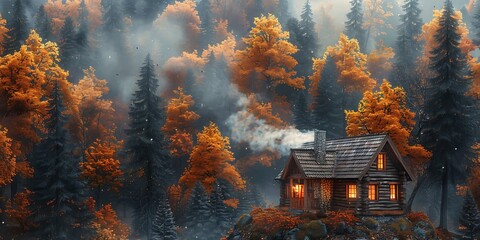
<point>211,160</point>
<point>18,214</point>
<point>106,224</point>
<point>59,10</point>
<point>3,33</point>
<point>386,111</point>
<point>273,67</point>
<point>179,123</point>
<point>376,18</point>
<point>7,158</point>
<point>379,62</point>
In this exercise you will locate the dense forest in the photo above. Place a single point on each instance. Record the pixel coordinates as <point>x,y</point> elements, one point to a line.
<point>163,119</point>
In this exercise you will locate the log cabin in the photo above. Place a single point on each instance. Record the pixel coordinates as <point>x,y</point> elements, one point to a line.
<point>363,174</point>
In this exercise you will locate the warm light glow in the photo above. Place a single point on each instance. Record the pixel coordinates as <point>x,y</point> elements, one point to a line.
<point>382,157</point>
<point>297,191</point>
<point>352,191</point>
<point>372,192</point>
<point>393,191</point>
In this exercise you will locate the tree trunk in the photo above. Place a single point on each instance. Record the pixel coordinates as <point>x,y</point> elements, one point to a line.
<point>417,187</point>
<point>366,40</point>
<point>444,200</point>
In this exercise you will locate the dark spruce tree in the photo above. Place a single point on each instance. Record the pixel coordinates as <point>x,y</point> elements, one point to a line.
<point>475,18</point>
<point>408,49</point>
<point>470,218</point>
<point>147,150</point>
<point>68,48</point>
<point>301,114</point>
<point>220,212</point>
<point>82,44</point>
<point>164,224</point>
<point>18,28</point>
<point>43,24</point>
<point>199,214</point>
<point>308,46</point>
<point>130,8</point>
<point>152,8</point>
<point>283,13</point>
<point>58,191</point>
<point>204,9</point>
<point>327,112</point>
<point>256,9</point>
<point>448,130</point>
<point>354,23</point>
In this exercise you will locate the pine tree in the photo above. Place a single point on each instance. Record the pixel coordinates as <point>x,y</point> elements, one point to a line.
<point>43,24</point>
<point>219,210</point>
<point>18,28</point>
<point>256,10</point>
<point>354,23</point>
<point>164,224</point>
<point>301,114</point>
<point>199,210</point>
<point>448,130</point>
<point>470,218</point>
<point>147,149</point>
<point>204,9</point>
<point>153,8</point>
<point>82,44</point>
<point>68,47</point>
<point>58,191</point>
<point>327,112</point>
<point>476,23</point>
<point>408,48</point>
<point>308,46</point>
<point>130,8</point>
<point>283,13</point>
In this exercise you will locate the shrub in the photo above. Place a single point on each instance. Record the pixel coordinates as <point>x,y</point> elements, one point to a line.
<point>335,218</point>
<point>417,217</point>
<point>269,221</point>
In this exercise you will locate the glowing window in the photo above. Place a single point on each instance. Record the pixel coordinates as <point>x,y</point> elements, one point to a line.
<point>372,192</point>
<point>382,159</point>
<point>351,191</point>
<point>393,191</point>
<point>297,191</point>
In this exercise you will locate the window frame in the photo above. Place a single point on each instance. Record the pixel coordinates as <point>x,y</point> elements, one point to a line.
<point>384,161</point>
<point>349,187</point>
<point>301,189</point>
<point>375,192</point>
<point>396,188</point>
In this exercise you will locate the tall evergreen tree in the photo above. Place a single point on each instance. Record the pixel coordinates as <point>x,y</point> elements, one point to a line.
<point>308,46</point>
<point>448,130</point>
<point>204,9</point>
<point>470,218</point>
<point>301,114</point>
<point>153,8</point>
<point>199,209</point>
<point>147,149</point>
<point>476,23</point>
<point>82,43</point>
<point>219,212</point>
<point>256,10</point>
<point>58,191</point>
<point>164,223</point>
<point>130,8</point>
<point>283,13</point>
<point>327,112</point>
<point>354,23</point>
<point>408,49</point>
<point>68,47</point>
<point>43,24</point>
<point>18,28</point>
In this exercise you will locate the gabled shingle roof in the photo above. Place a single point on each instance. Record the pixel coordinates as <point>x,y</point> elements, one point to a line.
<point>346,157</point>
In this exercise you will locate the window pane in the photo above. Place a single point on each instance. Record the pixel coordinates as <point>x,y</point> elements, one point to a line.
<point>372,192</point>
<point>381,161</point>
<point>393,191</point>
<point>352,191</point>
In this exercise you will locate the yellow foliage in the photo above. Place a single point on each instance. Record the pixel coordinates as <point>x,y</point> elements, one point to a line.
<point>375,16</point>
<point>7,158</point>
<point>177,70</point>
<point>263,111</point>
<point>267,60</point>
<point>107,225</point>
<point>379,61</point>
<point>226,48</point>
<point>59,11</point>
<point>318,65</point>
<point>386,111</point>
<point>211,160</point>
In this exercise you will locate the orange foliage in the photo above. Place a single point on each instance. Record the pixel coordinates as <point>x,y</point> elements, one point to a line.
<point>475,88</point>
<point>385,111</point>
<point>3,33</point>
<point>107,225</point>
<point>18,212</point>
<point>417,217</point>
<point>376,16</point>
<point>221,30</point>
<point>352,65</point>
<point>7,158</point>
<point>95,114</point>
<point>474,180</point>
<point>178,126</point>
<point>175,198</point>
<point>232,202</point>
<point>268,44</point>
<point>226,48</point>
<point>58,12</point>
<point>265,158</point>
<point>263,111</point>
<point>26,76</point>
<point>180,69</point>
<point>318,65</point>
<point>336,217</point>
<point>379,61</point>
<point>101,168</point>
<point>211,160</point>
<point>270,220</point>
<point>184,15</point>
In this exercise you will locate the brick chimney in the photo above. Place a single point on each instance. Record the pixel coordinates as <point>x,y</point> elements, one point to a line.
<point>320,145</point>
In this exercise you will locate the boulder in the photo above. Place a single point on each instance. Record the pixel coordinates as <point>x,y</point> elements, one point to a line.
<point>371,223</point>
<point>292,234</point>
<point>342,228</point>
<point>425,227</point>
<point>244,220</point>
<point>316,230</point>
